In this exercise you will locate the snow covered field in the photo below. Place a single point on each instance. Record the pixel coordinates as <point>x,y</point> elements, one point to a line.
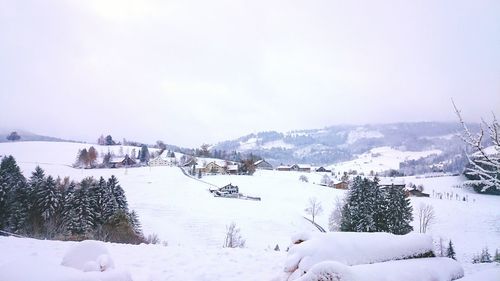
<point>187,217</point>
<point>380,159</point>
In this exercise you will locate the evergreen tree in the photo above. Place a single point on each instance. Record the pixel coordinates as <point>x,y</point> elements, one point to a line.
<point>450,252</point>
<point>81,221</point>
<point>398,211</point>
<point>48,199</point>
<point>497,256</point>
<point>144,158</point>
<point>368,209</point>
<point>109,140</point>
<point>13,136</point>
<point>35,220</point>
<point>134,222</point>
<point>118,193</point>
<point>68,203</point>
<point>5,194</point>
<point>361,210</point>
<point>109,205</point>
<point>97,192</point>
<point>485,256</point>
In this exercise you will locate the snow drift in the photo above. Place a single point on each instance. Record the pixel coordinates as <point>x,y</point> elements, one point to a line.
<point>424,269</point>
<point>351,248</point>
<point>88,256</point>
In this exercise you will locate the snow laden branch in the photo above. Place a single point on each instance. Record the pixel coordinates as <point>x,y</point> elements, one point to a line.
<point>483,170</point>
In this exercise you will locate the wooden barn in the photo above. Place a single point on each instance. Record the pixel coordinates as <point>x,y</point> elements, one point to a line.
<point>263,165</point>
<point>122,162</point>
<point>323,170</point>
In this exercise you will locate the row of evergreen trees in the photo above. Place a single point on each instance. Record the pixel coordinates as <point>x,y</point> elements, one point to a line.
<point>44,207</point>
<point>371,209</point>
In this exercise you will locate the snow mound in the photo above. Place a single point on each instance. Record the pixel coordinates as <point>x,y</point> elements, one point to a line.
<point>425,269</point>
<point>352,248</point>
<point>88,256</point>
<point>328,271</point>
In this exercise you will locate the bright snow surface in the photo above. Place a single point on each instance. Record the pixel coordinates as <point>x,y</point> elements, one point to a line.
<point>185,215</point>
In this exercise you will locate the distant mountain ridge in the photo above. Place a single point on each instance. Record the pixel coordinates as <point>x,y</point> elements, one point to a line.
<point>28,136</point>
<point>341,143</point>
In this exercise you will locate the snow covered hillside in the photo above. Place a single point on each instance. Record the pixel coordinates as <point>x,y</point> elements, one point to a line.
<point>344,142</point>
<point>381,159</point>
<point>193,222</point>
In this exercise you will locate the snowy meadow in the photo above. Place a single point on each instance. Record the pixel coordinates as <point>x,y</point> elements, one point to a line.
<point>191,223</point>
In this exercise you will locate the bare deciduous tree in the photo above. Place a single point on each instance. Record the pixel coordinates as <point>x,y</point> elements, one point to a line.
<point>484,169</point>
<point>233,237</point>
<point>336,215</point>
<point>425,217</point>
<point>314,208</point>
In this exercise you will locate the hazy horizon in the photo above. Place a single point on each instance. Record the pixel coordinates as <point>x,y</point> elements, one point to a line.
<point>193,72</point>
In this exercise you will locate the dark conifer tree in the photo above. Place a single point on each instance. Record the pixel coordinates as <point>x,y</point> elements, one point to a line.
<point>118,193</point>
<point>48,198</point>
<point>450,252</point>
<point>398,213</point>
<point>81,215</point>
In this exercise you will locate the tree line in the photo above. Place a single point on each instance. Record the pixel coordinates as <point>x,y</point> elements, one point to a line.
<point>44,207</point>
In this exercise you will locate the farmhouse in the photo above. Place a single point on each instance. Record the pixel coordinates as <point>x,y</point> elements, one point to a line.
<point>263,165</point>
<point>122,161</point>
<point>213,168</point>
<point>232,169</point>
<point>227,191</point>
<point>283,168</point>
<point>300,168</point>
<point>163,160</point>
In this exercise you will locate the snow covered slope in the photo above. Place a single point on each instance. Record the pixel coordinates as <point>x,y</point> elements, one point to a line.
<point>186,216</point>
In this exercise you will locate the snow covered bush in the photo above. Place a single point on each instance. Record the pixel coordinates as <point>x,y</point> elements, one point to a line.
<point>484,257</point>
<point>353,248</point>
<point>233,237</point>
<point>88,256</point>
<point>303,178</point>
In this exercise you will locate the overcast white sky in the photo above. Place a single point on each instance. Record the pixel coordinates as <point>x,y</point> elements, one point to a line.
<point>190,71</point>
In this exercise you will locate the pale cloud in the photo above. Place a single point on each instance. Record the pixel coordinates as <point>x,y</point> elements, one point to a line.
<point>195,71</point>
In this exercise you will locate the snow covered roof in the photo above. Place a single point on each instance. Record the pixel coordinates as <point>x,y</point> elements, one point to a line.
<point>232,167</point>
<point>391,181</point>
